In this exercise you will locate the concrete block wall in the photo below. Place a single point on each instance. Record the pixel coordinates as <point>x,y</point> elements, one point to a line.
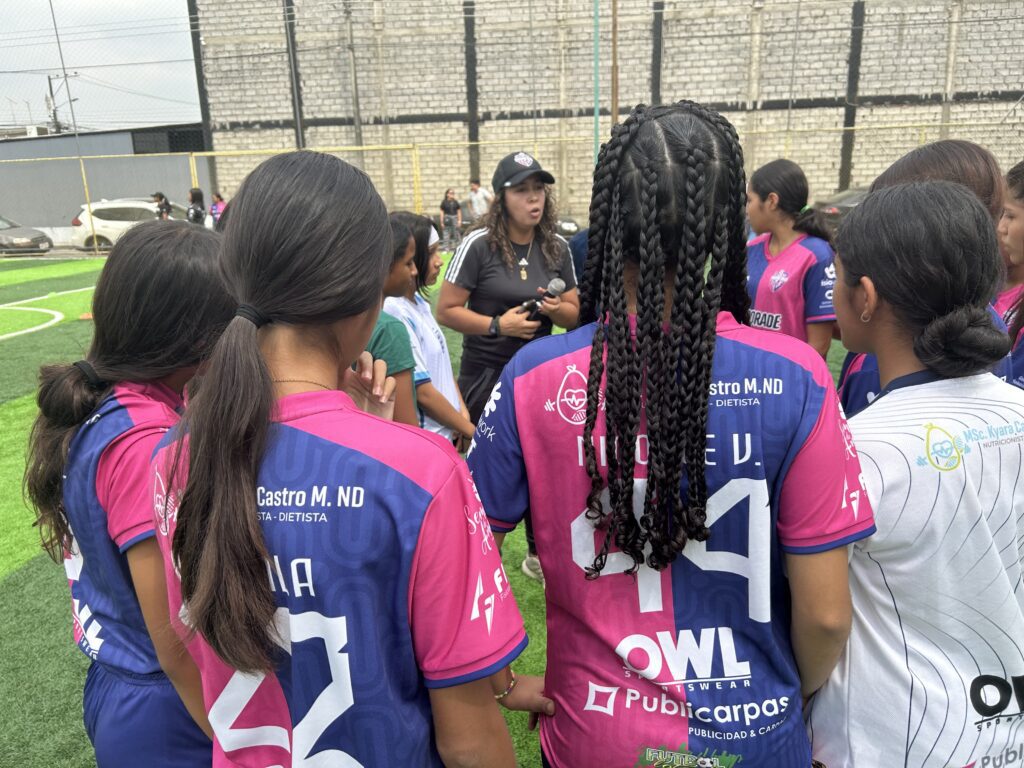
<point>778,70</point>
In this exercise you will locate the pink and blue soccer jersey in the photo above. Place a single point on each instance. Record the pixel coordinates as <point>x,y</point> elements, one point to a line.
<point>694,660</point>
<point>108,505</point>
<point>792,289</point>
<point>859,382</point>
<point>132,713</point>
<point>387,583</point>
<point>1006,301</point>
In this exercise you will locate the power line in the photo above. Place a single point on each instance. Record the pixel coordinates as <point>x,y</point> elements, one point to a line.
<point>89,79</point>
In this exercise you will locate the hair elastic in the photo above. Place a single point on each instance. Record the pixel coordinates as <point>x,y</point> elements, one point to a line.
<point>90,374</point>
<point>252,314</point>
<point>805,209</point>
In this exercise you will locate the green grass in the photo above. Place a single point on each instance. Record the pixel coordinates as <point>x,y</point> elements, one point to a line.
<point>37,271</point>
<point>41,670</point>
<point>19,541</point>
<point>36,288</point>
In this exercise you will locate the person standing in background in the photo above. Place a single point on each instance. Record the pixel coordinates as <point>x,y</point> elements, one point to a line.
<point>216,207</point>
<point>196,213</point>
<point>790,262</point>
<point>438,400</point>
<point>451,219</point>
<point>508,261</point>
<point>479,199</point>
<point>390,339</point>
<point>163,205</point>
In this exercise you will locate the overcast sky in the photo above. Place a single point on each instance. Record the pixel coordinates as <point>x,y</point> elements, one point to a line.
<point>108,43</point>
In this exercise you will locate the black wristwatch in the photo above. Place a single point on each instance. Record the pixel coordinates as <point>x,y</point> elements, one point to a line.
<point>495,329</point>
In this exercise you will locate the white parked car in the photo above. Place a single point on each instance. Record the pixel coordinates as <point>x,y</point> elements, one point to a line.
<point>111,218</point>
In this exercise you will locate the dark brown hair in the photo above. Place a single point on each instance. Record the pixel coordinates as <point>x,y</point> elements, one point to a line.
<point>669,196</point>
<point>158,307</point>
<point>956,160</point>
<point>931,251</point>
<point>309,244</point>
<point>421,227</point>
<point>495,221</point>
<point>787,180</point>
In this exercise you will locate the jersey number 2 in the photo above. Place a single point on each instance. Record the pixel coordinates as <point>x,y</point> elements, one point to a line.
<point>332,702</point>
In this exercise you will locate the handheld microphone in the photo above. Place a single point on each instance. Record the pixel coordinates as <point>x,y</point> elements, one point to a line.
<point>555,288</point>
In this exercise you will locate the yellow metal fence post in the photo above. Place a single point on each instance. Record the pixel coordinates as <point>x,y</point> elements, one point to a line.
<point>417,182</point>
<point>192,170</point>
<point>88,206</point>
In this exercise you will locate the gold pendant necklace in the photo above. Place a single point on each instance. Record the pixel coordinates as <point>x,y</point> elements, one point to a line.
<point>524,263</point>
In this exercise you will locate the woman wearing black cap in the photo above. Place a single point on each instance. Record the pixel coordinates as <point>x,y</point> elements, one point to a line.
<point>508,261</point>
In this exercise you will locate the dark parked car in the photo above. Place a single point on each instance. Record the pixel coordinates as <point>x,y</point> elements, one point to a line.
<point>841,203</point>
<point>15,238</point>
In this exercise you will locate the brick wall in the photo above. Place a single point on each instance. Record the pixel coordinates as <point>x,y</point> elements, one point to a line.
<point>777,69</point>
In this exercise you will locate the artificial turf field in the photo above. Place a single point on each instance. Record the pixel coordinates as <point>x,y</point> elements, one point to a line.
<point>41,670</point>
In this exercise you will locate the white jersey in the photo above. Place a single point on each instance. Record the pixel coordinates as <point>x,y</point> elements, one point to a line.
<point>933,674</point>
<point>430,349</point>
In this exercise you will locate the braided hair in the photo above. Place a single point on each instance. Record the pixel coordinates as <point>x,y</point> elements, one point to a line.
<point>668,198</point>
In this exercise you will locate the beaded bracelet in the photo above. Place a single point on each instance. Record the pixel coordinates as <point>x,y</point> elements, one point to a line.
<point>507,691</point>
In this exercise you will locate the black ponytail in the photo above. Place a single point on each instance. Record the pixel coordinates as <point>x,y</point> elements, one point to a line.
<point>931,252</point>
<point>668,198</point>
<point>321,257</point>
<point>158,307</point>
<point>787,180</point>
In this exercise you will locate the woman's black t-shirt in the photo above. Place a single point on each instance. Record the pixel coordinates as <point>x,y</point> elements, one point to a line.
<point>494,288</point>
<point>450,207</point>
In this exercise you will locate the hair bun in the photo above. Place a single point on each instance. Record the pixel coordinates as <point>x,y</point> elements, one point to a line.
<point>960,343</point>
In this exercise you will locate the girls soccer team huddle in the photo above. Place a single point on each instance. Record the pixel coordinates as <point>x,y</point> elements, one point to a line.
<point>277,556</point>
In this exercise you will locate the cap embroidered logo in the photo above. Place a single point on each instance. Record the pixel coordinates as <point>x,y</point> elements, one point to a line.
<point>524,159</point>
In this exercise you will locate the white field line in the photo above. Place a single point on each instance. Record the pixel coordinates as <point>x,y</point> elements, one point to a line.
<point>47,296</point>
<point>55,317</point>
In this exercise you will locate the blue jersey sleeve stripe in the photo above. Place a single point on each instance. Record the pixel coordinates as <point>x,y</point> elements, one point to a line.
<point>829,545</point>
<point>136,539</point>
<point>820,319</point>
<point>487,671</point>
<point>500,526</point>
<point>421,377</point>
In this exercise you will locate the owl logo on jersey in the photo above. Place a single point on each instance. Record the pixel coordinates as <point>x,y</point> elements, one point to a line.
<point>778,280</point>
<point>830,272</point>
<point>941,449</point>
<point>572,397</point>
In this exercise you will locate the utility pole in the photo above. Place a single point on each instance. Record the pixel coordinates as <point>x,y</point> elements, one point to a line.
<point>52,104</point>
<point>357,117</point>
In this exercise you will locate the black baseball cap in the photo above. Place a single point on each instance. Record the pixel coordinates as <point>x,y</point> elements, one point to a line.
<point>516,168</point>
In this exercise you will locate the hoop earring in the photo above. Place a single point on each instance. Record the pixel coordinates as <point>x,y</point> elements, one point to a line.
<point>865,317</point>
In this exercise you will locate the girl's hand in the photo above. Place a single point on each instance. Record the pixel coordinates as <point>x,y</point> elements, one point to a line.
<point>370,387</point>
<point>528,696</point>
